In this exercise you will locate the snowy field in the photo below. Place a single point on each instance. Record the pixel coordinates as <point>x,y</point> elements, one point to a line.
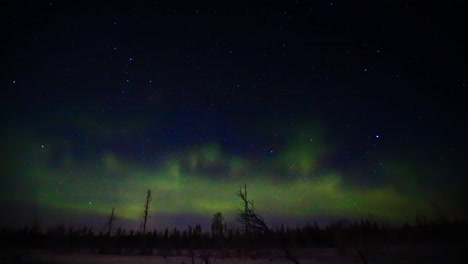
<point>389,254</point>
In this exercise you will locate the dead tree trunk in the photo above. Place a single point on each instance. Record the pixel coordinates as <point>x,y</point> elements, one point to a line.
<point>246,209</point>
<point>110,221</point>
<point>146,211</point>
<point>253,221</point>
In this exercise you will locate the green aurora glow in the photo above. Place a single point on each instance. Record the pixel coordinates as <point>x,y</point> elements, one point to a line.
<point>204,180</point>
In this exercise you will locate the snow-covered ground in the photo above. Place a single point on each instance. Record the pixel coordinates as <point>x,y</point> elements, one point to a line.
<point>389,254</point>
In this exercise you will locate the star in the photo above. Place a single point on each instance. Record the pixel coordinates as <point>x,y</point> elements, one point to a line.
<point>258,105</point>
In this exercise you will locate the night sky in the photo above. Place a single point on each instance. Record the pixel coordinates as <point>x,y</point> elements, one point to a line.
<point>325,109</point>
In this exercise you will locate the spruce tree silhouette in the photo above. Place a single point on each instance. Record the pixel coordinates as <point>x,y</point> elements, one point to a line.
<point>217,225</point>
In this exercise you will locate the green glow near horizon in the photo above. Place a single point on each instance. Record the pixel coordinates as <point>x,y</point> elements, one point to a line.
<point>176,190</point>
<point>205,180</point>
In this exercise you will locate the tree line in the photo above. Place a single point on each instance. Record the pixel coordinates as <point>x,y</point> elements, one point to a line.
<point>251,233</point>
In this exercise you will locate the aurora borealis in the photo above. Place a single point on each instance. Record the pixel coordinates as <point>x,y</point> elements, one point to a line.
<point>322,118</point>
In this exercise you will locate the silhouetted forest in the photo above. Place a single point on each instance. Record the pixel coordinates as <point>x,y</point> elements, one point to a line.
<point>251,234</point>
<point>340,234</point>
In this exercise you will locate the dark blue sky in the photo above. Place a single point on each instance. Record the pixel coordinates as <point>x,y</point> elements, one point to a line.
<point>377,81</point>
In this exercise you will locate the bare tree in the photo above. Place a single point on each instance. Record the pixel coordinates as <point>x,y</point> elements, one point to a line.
<point>146,211</point>
<point>242,218</point>
<point>253,221</point>
<point>247,216</point>
<point>110,221</point>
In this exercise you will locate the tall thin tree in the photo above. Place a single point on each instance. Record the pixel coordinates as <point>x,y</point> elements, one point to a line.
<point>253,221</point>
<point>110,221</point>
<point>146,211</point>
<point>243,215</point>
<point>248,217</point>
